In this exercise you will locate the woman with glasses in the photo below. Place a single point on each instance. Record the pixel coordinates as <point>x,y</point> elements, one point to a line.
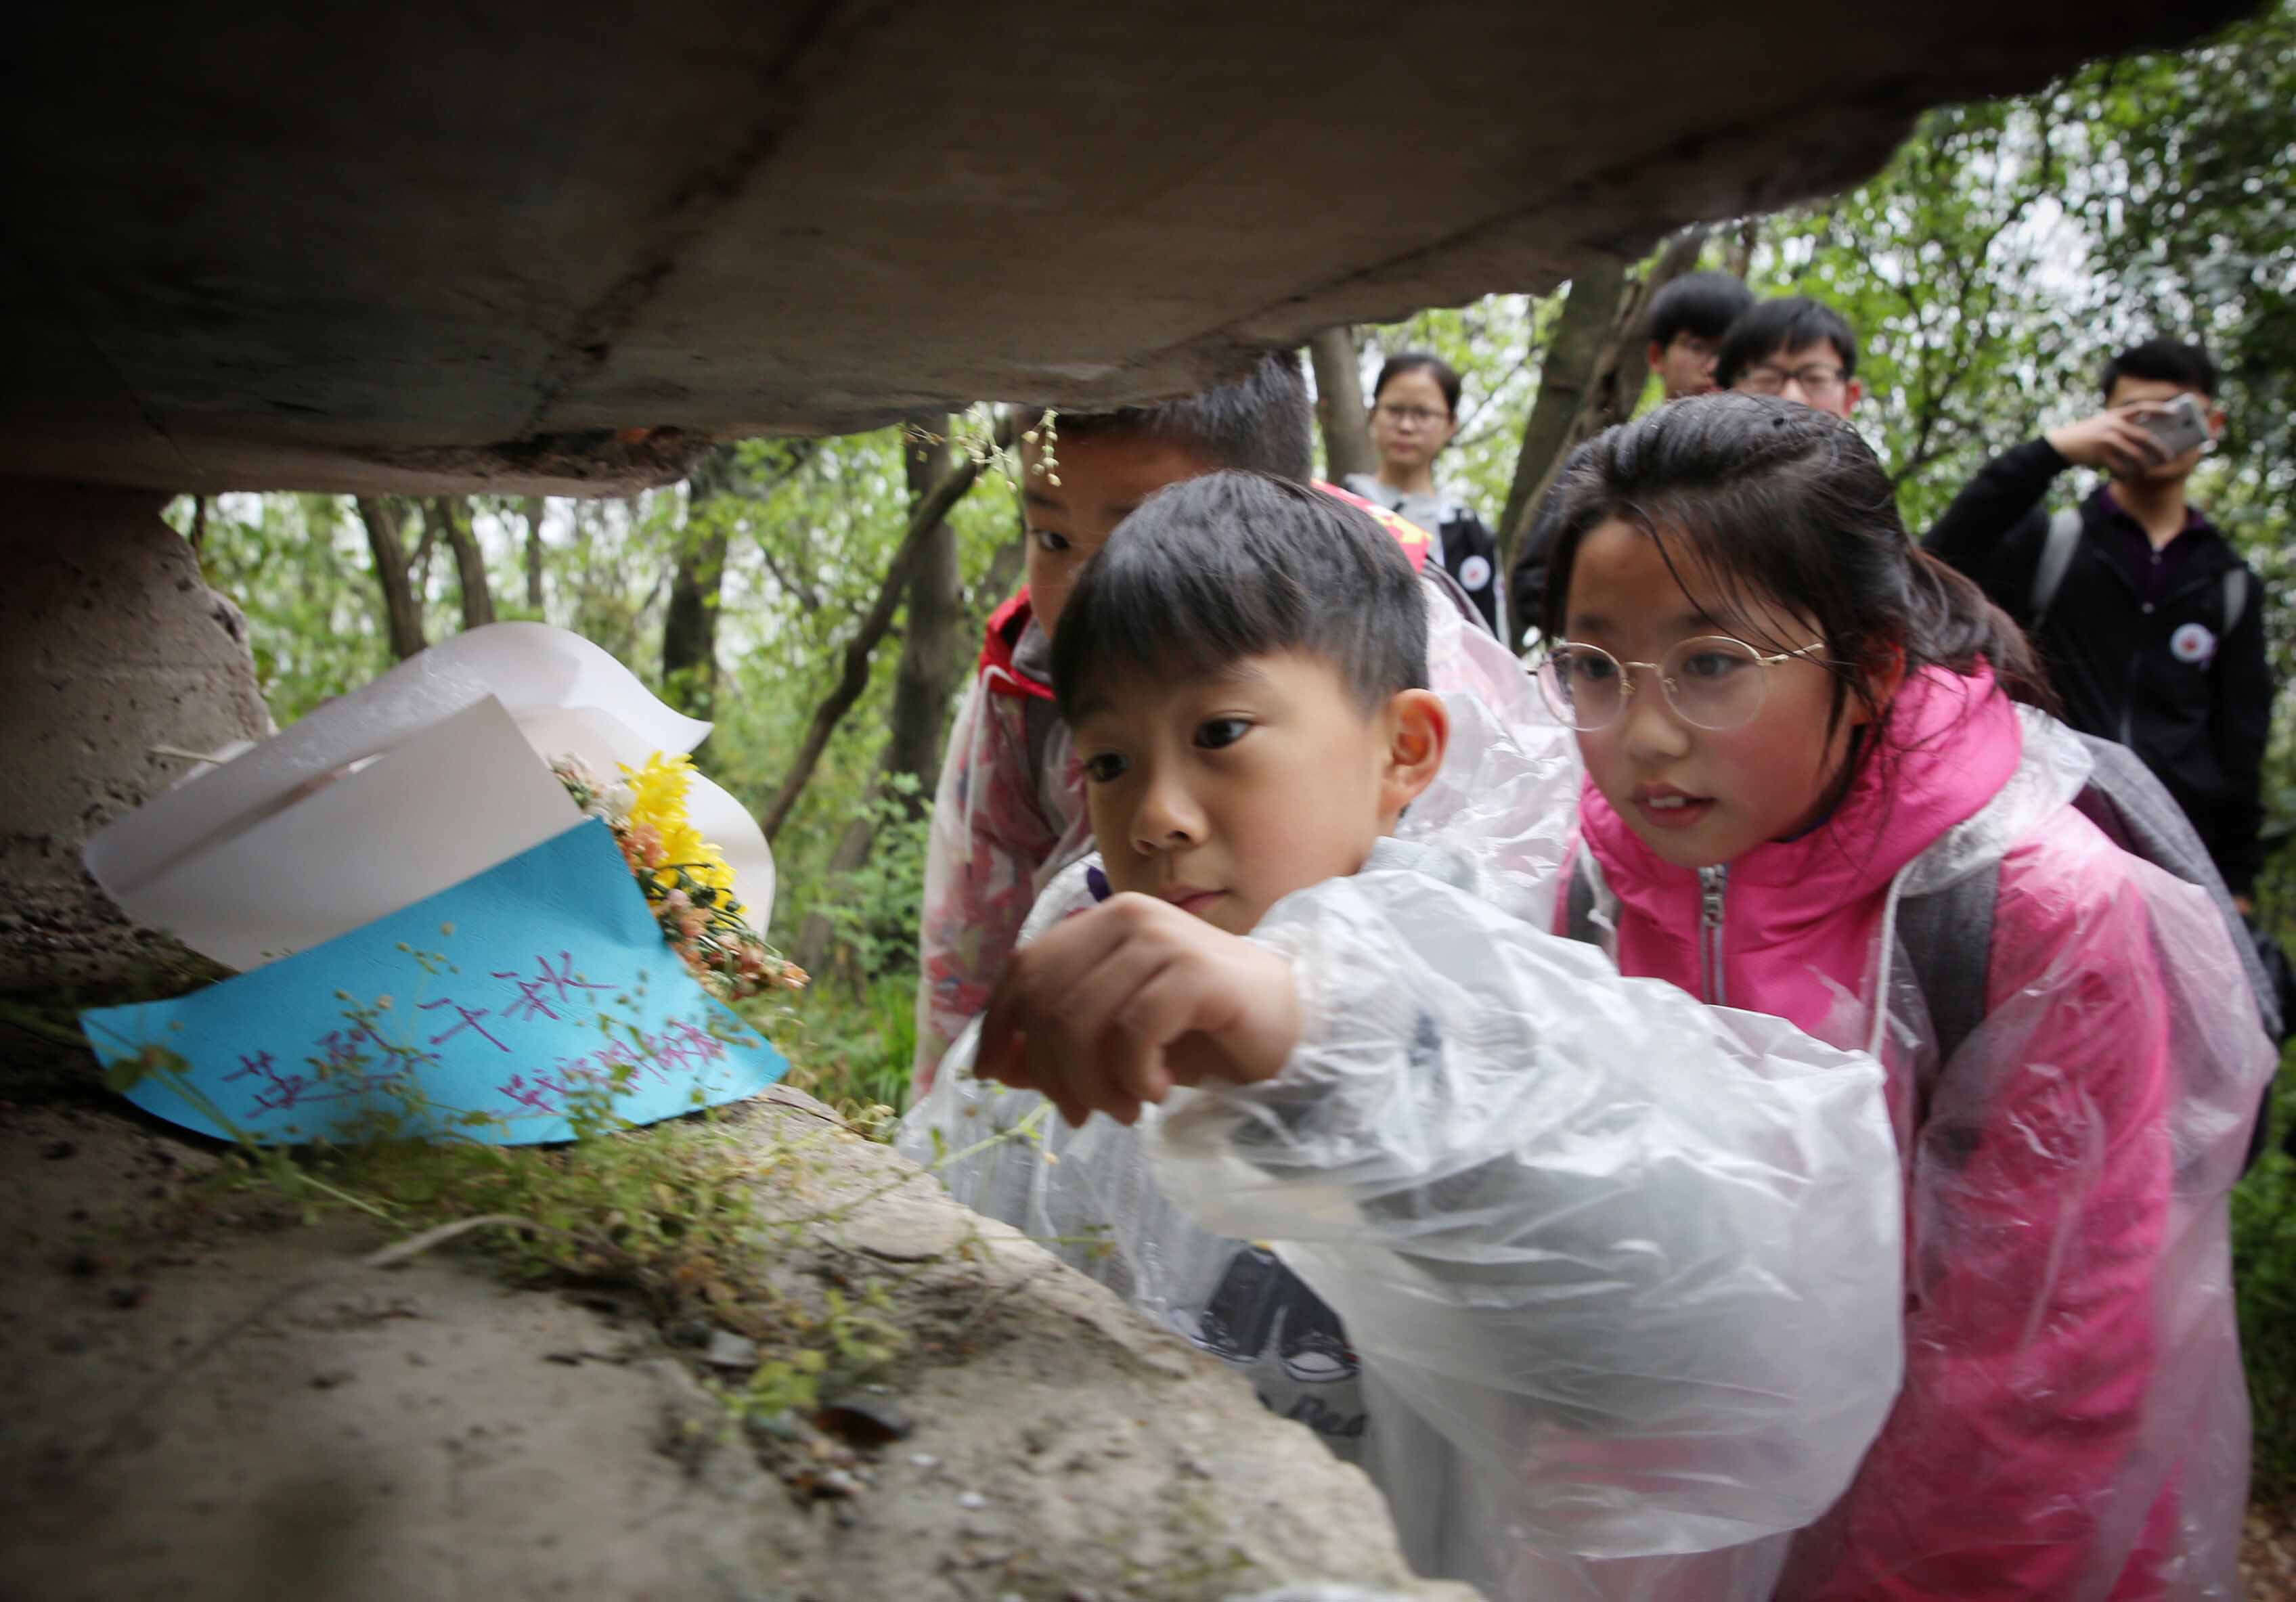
<point>1414,411</point>
<point>1802,737</point>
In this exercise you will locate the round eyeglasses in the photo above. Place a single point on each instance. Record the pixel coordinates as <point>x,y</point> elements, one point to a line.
<point>1712,682</point>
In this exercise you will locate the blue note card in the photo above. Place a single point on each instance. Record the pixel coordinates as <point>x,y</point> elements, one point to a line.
<point>492,1012</point>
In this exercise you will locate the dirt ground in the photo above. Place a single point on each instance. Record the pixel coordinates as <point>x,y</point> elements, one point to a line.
<point>426,1431</point>
<point>179,1428</point>
<point>2267,1554</point>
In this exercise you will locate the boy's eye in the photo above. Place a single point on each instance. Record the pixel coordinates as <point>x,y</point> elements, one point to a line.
<point>1104,768</point>
<point>1221,731</point>
<point>1711,665</point>
<point>1048,542</point>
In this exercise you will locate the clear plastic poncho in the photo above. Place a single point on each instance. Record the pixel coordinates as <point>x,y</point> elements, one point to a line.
<point>2075,1422</point>
<point>1620,1272</point>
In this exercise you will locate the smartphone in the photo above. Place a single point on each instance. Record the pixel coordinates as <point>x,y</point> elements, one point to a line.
<point>2179,426</point>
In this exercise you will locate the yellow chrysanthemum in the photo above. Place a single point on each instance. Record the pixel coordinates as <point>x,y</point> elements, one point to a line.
<point>658,793</point>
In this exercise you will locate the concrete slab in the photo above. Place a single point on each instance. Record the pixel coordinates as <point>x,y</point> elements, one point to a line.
<point>433,246</point>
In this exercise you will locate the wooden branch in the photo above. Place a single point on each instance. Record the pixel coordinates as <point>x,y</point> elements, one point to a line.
<point>855,678</point>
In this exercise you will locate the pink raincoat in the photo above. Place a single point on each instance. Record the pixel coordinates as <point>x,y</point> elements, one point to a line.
<point>2073,1422</point>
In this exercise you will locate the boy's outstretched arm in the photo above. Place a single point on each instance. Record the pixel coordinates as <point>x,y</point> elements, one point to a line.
<point>1637,1258</point>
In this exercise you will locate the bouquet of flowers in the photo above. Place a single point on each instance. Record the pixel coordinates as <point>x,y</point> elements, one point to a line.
<point>686,879</point>
<point>426,888</point>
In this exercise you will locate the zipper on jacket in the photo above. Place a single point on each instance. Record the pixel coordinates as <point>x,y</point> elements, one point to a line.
<point>1712,883</point>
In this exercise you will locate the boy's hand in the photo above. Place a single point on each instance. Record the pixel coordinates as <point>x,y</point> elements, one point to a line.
<point>2117,442</point>
<point>1114,1007</point>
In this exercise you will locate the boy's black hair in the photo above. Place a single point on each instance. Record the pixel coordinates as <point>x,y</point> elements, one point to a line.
<point>1704,304</point>
<point>2164,361</point>
<point>1262,423</point>
<point>1446,376</point>
<point>1214,569</point>
<point>1790,323</point>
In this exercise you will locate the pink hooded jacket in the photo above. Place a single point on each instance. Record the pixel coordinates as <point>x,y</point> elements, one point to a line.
<point>2073,1422</point>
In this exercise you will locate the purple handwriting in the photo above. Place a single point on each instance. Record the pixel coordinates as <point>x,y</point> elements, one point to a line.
<point>356,1061</point>
<point>532,1002</point>
<point>284,1091</point>
<point>470,1017</point>
<point>679,1048</point>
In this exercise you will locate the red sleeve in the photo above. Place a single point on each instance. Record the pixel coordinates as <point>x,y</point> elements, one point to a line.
<point>988,837</point>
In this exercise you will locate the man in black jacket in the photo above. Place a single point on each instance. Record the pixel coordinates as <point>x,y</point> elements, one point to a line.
<point>2152,625</point>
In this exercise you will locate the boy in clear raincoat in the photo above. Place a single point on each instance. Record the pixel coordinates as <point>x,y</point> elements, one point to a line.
<point>1621,1271</point>
<point>1008,812</point>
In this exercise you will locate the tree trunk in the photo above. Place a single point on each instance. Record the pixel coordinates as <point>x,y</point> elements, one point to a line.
<point>1593,377</point>
<point>921,686</point>
<point>689,625</point>
<point>470,562</point>
<point>812,951</point>
<point>534,506</point>
<point>1739,259</point>
<point>931,654</point>
<point>1589,312</point>
<point>402,614</point>
<point>1003,575</point>
<point>1340,405</point>
<point>855,676</point>
<point>1624,367</point>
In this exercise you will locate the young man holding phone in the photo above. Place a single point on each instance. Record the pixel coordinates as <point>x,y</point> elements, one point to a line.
<point>2152,625</point>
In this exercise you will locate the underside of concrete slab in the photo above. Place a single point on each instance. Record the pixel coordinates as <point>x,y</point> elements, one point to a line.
<point>439,246</point>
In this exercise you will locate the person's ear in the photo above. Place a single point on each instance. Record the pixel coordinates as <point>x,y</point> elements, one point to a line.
<point>1885,675</point>
<point>1417,726</point>
<point>2216,423</point>
<point>1657,355</point>
<point>1852,392</point>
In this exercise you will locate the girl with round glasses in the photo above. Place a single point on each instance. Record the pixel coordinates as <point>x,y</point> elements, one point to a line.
<point>1792,721</point>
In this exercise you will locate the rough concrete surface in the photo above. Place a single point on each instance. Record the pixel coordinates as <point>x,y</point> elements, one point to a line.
<point>111,647</point>
<point>433,245</point>
<point>425,1431</point>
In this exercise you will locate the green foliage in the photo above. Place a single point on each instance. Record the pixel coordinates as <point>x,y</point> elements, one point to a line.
<point>2264,1275</point>
<point>854,1051</point>
<point>872,909</point>
<point>1941,264</point>
<point>298,567</point>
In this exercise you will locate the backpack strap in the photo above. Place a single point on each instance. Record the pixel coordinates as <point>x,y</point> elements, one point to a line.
<point>2136,813</point>
<point>2056,557</point>
<point>1947,934</point>
<point>2236,598</point>
<point>1578,905</point>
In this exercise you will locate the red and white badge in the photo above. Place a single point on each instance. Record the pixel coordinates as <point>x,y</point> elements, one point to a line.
<point>2193,644</point>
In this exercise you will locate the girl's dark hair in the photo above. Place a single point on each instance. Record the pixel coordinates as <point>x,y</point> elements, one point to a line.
<point>1768,499</point>
<point>1446,376</point>
<point>1214,569</point>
